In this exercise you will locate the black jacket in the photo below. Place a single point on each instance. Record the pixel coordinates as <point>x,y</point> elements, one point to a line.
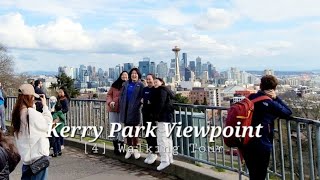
<point>4,164</point>
<point>147,95</point>
<point>64,105</point>
<point>265,112</point>
<point>162,106</point>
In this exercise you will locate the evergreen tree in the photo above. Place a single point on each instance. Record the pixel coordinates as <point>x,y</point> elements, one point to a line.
<point>65,81</point>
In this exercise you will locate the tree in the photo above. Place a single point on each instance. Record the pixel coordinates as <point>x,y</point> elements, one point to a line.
<point>181,99</point>
<point>65,81</point>
<point>8,78</point>
<point>307,106</point>
<point>6,66</point>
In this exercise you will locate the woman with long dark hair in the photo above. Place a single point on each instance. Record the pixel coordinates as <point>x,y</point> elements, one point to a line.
<point>63,100</point>
<point>113,107</point>
<point>130,109</point>
<point>30,131</point>
<point>163,113</point>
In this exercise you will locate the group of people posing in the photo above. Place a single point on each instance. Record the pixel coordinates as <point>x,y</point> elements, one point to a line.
<point>128,99</point>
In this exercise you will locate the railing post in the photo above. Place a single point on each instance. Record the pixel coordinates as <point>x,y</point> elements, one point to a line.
<point>281,150</point>
<point>290,151</point>
<point>318,148</point>
<point>311,165</point>
<point>301,174</point>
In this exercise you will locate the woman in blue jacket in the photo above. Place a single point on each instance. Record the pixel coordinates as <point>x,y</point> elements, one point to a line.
<point>130,109</point>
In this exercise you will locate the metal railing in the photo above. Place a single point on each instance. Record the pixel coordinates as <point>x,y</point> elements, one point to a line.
<point>296,152</point>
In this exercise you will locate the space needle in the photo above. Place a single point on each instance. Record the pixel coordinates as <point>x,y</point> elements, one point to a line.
<point>176,50</point>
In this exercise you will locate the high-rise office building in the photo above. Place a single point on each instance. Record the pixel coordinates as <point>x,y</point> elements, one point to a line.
<point>172,63</point>
<point>198,67</point>
<point>144,67</point>
<point>188,74</point>
<point>111,73</point>
<point>82,69</point>
<point>210,70</point>
<point>192,66</point>
<point>117,71</point>
<point>162,70</point>
<point>86,76</point>
<point>152,68</point>
<point>127,66</point>
<point>185,59</point>
<point>183,65</point>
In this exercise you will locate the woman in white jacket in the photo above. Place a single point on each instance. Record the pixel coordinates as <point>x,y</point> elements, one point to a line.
<point>30,131</point>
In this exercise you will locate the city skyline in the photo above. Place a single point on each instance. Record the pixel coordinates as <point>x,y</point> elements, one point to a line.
<point>233,33</point>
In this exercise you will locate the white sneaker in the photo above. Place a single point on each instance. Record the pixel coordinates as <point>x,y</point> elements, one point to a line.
<point>152,159</point>
<point>62,147</point>
<point>136,154</point>
<point>147,159</point>
<point>163,165</point>
<point>128,154</point>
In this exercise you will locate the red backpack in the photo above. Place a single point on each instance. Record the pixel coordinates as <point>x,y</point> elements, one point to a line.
<point>241,111</point>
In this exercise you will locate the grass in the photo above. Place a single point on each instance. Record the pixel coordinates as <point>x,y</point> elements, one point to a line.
<point>217,169</point>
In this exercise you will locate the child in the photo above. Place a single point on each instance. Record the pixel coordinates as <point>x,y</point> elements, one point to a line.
<point>59,120</point>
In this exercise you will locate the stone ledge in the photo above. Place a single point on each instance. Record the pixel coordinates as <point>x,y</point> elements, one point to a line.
<point>178,169</point>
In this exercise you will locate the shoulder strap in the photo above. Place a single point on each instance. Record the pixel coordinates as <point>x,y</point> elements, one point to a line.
<point>261,98</point>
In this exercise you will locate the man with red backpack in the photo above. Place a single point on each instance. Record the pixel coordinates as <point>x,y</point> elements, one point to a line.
<point>257,151</point>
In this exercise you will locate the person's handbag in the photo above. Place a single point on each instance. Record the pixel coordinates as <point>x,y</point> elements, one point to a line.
<point>40,164</point>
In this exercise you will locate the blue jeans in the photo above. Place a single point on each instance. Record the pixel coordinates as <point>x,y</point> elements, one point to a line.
<point>56,145</point>
<point>2,118</point>
<point>27,174</point>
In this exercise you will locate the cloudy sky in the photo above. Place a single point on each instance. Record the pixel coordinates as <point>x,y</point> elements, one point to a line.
<point>250,35</point>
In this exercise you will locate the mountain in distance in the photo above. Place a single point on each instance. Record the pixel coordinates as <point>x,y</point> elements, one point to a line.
<point>39,73</point>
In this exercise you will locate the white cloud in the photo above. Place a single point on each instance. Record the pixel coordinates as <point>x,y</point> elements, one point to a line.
<point>275,10</point>
<point>172,16</point>
<point>215,19</point>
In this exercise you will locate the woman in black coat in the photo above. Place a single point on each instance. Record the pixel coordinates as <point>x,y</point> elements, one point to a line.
<point>163,112</point>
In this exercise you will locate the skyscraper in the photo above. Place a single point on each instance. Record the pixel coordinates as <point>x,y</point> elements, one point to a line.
<point>210,70</point>
<point>117,71</point>
<point>172,63</point>
<point>185,59</point>
<point>127,66</point>
<point>111,73</point>
<point>198,67</point>
<point>152,68</point>
<point>192,66</point>
<point>188,74</point>
<point>82,69</point>
<point>162,69</point>
<point>144,67</point>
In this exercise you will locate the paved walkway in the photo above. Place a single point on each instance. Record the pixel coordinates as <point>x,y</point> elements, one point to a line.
<point>74,164</point>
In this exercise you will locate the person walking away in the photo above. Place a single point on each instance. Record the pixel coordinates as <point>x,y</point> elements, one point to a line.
<point>113,107</point>
<point>30,131</point>
<point>163,112</point>
<point>64,100</point>
<point>265,112</point>
<point>3,106</point>
<point>9,156</point>
<point>130,109</point>
<point>59,119</point>
<point>148,118</point>
<point>38,90</point>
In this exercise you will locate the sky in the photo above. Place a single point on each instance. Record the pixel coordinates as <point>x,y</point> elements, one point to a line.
<point>251,35</point>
